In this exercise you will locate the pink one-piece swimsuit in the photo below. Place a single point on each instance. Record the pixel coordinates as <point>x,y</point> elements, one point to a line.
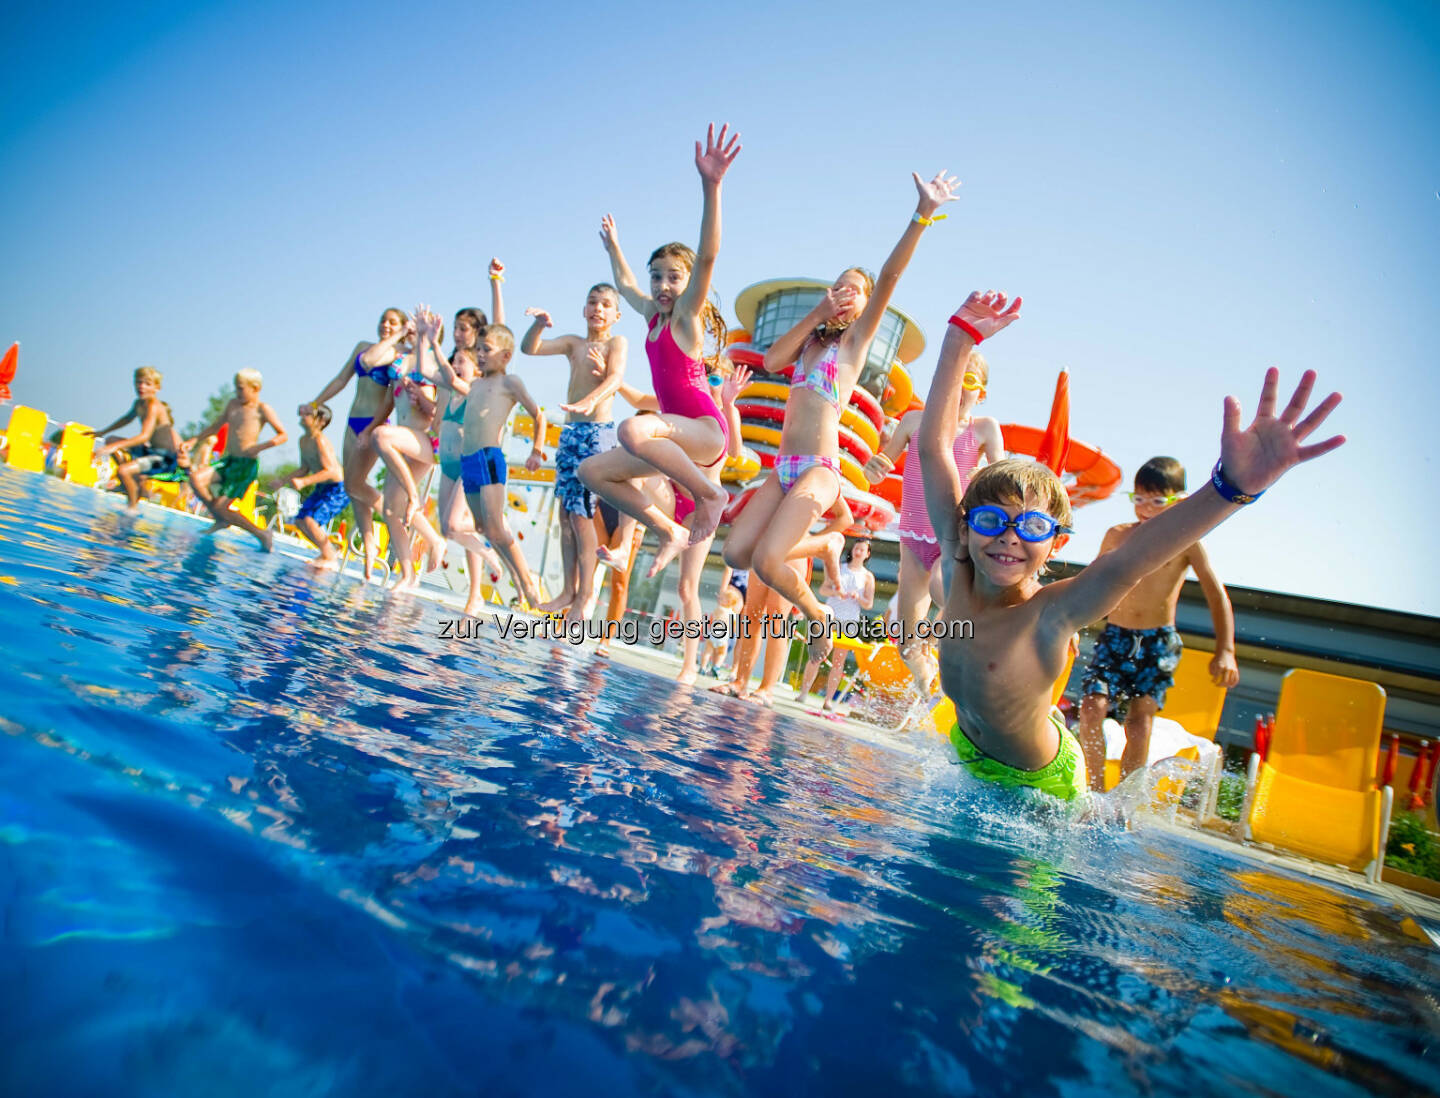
<point>915,529</point>
<point>682,388</point>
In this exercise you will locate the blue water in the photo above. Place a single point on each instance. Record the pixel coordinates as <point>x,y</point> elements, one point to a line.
<point>265,833</point>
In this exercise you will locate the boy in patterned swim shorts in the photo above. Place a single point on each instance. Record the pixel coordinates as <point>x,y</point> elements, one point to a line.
<point>1134,660</point>
<point>597,368</point>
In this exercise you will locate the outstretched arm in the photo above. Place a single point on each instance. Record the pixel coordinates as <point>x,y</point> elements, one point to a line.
<point>497,306</point>
<point>981,315</point>
<point>388,349</point>
<point>620,270</point>
<point>1224,671</point>
<point>932,196</point>
<point>641,402</point>
<point>881,465</point>
<point>532,344</point>
<point>1250,461</point>
<point>712,163</point>
<point>267,413</point>
<point>337,383</point>
<point>730,392</point>
<point>525,400</point>
<point>126,418</point>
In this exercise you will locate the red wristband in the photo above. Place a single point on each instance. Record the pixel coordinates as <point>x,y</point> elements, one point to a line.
<point>968,328</point>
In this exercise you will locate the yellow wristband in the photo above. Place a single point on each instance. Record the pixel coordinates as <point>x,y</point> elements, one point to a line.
<point>497,278</point>
<point>928,221</point>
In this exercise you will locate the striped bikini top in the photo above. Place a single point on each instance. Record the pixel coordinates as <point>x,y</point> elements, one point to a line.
<point>914,519</point>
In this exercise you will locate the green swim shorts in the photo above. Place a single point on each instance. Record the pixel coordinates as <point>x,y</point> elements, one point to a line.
<point>1063,777</point>
<point>234,475</point>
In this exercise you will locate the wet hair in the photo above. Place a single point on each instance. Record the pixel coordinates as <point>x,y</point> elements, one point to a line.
<point>711,318</point>
<point>322,415</point>
<point>504,337</point>
<point>249,377</point>
<point>1160,474</point>
<point>148,373</point>
<point>607,288</point>
<point>1019,482</point>
<point>850,553</point>
<point>833,329</point>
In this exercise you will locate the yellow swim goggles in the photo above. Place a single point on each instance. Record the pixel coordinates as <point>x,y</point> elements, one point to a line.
<point>1154,501</point>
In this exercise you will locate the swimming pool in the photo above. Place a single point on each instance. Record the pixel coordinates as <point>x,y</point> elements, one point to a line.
<point>265,833</point>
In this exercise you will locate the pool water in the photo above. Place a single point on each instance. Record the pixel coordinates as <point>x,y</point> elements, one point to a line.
<point>266,833</point>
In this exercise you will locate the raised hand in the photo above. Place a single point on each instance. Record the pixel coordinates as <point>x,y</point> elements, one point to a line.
<point>715,161</point>
<point>987,313</point>
<point>1255,458</point>
<point>940,190</point>
<point>609,235</point>
<point>422,321</point>
<point>734,385</point>
<point>497,270</point>
<point>539,314</point>
<point>836,301</point>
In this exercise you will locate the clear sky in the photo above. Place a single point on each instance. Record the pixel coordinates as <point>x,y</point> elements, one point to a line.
<point>1184,195</point>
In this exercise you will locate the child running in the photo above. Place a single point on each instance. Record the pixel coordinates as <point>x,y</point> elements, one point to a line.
<point>829,348</point>
<point>978,440</point>
<point>689,438</point>
<point>321,473</point>
<point>1135,656</point>
<point>156,448</point>
<point>597,368</point>
<point>374,366</point>
<point>996,538</point>
<point>489,397</point>
<point>224,484</point>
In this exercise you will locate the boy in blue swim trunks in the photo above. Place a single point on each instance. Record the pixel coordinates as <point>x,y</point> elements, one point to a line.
<point>1134,660</point>
<point>321,468</point>
<point>1013,517</point>
<point>597,367</point>
<point>226,483</point>
<point>491,395</point>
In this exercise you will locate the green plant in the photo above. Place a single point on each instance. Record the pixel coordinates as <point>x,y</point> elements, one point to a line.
<point>1412,847</point>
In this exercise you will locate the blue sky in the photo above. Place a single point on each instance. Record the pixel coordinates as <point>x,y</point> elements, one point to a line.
<point>1183,197</point>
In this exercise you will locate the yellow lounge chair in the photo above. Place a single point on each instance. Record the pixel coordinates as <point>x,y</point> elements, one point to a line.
<point>24,439</point>
<point>77,451</point>
<point>1316,793</point>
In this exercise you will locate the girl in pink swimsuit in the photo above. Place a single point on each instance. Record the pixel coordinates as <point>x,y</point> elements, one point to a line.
<point>688,440</point>
<point>829,348</point>
<point>979,440</point>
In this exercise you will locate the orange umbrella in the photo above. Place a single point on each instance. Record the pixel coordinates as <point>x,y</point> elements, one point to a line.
<point>8,365</point>
<point>1054,448</point>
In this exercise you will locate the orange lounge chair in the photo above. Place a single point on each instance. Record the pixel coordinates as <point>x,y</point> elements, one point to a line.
<point>1316,793</point>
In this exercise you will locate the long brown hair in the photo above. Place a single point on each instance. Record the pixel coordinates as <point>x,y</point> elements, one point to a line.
<point>711,319</point>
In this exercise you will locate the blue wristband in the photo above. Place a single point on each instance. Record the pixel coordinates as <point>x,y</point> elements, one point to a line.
<point>1228,491</point>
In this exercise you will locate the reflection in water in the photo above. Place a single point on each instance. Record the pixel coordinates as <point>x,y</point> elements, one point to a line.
<point>252,817</point>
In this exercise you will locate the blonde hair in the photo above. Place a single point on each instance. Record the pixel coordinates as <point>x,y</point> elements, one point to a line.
<point>729,597</point>
<point>1019,482</point>
<point>503,336</point>
<point>148,373</point>
<point>249,377</point>
<point>976,364</point>
<point>710,316</point>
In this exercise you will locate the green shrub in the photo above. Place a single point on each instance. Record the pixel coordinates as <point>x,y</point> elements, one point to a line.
<point>1231,797</point>
<point>1413,848</point>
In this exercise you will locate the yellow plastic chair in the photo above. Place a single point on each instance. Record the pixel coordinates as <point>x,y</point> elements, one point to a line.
<point>246,503</point>
<point>1316,794</point>
<point>77,451</point>
<point>25,439</point>
<point>1195,703</point>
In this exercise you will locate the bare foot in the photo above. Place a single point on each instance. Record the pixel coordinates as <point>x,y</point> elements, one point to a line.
<point>558,604</point>
<point>685,678</point>
<point>473,608</point>
<point>760,697</point>
<point>606,557</point>
<point>215,528</point>
<point>706,519</point>
<point>267,540</point>
<point>407,583</point>
<point>726,688</point>
<point>670,548</point>
<point>324,564</point>
<point>588,610</point>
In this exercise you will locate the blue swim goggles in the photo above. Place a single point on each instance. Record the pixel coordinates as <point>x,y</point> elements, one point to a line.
<point>1029,526</point>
